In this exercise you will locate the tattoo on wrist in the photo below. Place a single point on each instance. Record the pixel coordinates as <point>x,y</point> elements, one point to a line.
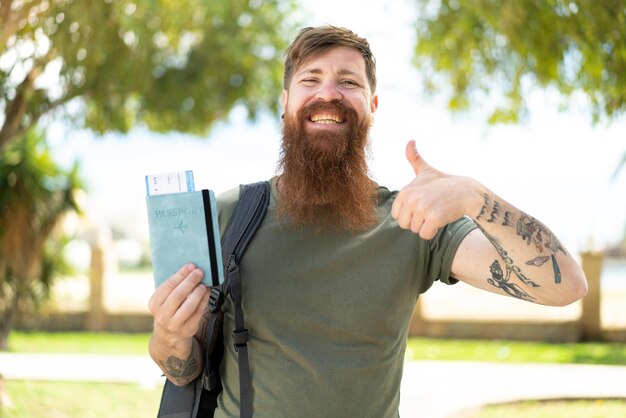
<point>501,281</point>
<point>181,370</point>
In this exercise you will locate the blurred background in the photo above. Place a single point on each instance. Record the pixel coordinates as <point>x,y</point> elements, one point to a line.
<point>526,97</point>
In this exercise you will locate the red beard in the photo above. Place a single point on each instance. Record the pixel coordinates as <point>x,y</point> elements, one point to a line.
<point>324,180</point>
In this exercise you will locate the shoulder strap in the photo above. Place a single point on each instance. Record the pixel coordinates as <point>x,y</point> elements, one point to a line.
<point>248,215</point>
<point>249,212</point>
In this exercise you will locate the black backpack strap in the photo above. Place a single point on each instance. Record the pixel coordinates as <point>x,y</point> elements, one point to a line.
<point>248,215</point>
<point>249,212</point>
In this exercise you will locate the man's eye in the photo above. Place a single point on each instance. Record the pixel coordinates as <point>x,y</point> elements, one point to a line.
<point>349,83</point>
<point>309,81</point>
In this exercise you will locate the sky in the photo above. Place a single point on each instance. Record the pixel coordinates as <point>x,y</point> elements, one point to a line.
<point>556,166</point>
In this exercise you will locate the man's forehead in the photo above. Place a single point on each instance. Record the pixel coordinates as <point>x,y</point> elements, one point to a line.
<point>318,63</point>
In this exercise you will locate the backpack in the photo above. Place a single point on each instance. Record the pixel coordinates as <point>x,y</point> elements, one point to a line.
<point>198,399</point>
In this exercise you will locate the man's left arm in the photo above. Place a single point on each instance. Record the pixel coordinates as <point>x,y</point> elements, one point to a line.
<point>511,253</point>
<point>514,254</point>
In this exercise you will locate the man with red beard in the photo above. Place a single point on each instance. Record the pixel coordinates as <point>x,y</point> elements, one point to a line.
<point>332,275</point>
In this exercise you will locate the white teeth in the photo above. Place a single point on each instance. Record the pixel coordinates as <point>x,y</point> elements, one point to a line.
<point>326,119</point>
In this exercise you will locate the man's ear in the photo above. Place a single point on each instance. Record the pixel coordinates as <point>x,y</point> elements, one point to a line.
<point>374,103</point>
<point>284,98</point>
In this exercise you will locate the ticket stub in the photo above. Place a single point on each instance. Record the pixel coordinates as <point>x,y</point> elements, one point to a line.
<point>168,183</point>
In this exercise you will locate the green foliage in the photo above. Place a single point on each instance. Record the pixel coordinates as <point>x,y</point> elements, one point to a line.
<point>495,50</point>
<point>110,65</point>
<point>171,65</point>
<point>35,194</point>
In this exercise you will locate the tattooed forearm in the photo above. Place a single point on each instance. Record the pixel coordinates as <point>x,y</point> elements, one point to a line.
<point>538,261</point>
<point>508,261</point>
<point>492,212</point>
<point>533,232</point>
<point>557,270</point>
<point>499,280</point>
<point>530,230</point>
<point>509,219</point>
<point>488,210</point>
<point>527,227</point>
<point>180,371</point>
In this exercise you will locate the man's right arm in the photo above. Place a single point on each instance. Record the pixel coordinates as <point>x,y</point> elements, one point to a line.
<point>178,307</point>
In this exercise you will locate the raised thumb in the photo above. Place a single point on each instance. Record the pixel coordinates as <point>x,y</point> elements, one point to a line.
<point>414,157</point>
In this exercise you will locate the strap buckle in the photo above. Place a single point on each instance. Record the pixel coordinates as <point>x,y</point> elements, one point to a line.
<point>216,298</point>
<point>209,381</point>
<point>240,339</point>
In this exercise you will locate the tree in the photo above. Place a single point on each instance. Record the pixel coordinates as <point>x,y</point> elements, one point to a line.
<point>110,65</point>
<point>498,48</point>
<point>34,195</point>
<point>169,65</point>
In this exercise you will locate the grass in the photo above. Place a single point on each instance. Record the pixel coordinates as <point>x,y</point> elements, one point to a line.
<point>417,348</point>
<point>516,351</point>
<point>583,408</point>
<point>71,399</point>
<point>95,400</point>
<point>79,342</point>
<point>84,400</point>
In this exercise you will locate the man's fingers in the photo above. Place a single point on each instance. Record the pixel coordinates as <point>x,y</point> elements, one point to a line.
<point>428,231</point>
<point>195,302</point>
<point>396,208</point>
<point>416,224</point>
<point>194,320</point>
<point>414,158</point>
<point>163,291</point>
<point>172,293</point>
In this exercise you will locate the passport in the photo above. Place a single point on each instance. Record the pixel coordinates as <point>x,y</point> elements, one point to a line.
<point>183,227</point>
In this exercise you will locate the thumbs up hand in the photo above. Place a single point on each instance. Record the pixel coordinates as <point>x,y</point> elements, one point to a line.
<point>434,199</point>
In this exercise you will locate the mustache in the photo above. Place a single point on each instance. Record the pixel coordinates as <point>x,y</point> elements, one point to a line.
<point>338,107</point>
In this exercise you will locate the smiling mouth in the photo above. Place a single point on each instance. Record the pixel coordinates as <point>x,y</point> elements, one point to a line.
<point>326,119</point>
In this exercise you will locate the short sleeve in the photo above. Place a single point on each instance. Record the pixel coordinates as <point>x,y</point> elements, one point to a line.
<point>442,249</point>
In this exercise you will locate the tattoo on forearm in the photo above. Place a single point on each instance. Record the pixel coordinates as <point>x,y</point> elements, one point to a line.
<point>491,212</point>
<point>531,230</point>
<point>489,209</point>
<point>179,369</point>
<point>536,233</point>
<point>509,219</point>
<point>538,261</point>
<point>508,261</point>
<point>501,281</point>
<point>557,270</point>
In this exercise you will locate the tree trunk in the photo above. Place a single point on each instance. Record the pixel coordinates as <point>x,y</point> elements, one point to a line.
<point>6,323</point>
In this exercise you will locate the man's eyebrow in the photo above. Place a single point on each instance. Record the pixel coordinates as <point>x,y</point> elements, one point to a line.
<point>341,72</point>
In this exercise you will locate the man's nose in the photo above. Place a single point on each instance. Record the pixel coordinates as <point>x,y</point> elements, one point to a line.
<point>329,92</point>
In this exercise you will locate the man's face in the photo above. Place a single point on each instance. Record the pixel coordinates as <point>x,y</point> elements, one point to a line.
<point>335,76</point>
<point>328,112</point>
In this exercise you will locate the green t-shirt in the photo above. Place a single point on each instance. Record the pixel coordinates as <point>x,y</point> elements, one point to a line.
<point>328,314</point>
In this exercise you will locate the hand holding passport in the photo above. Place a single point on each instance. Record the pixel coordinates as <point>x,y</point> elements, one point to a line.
<point>183,227</point>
